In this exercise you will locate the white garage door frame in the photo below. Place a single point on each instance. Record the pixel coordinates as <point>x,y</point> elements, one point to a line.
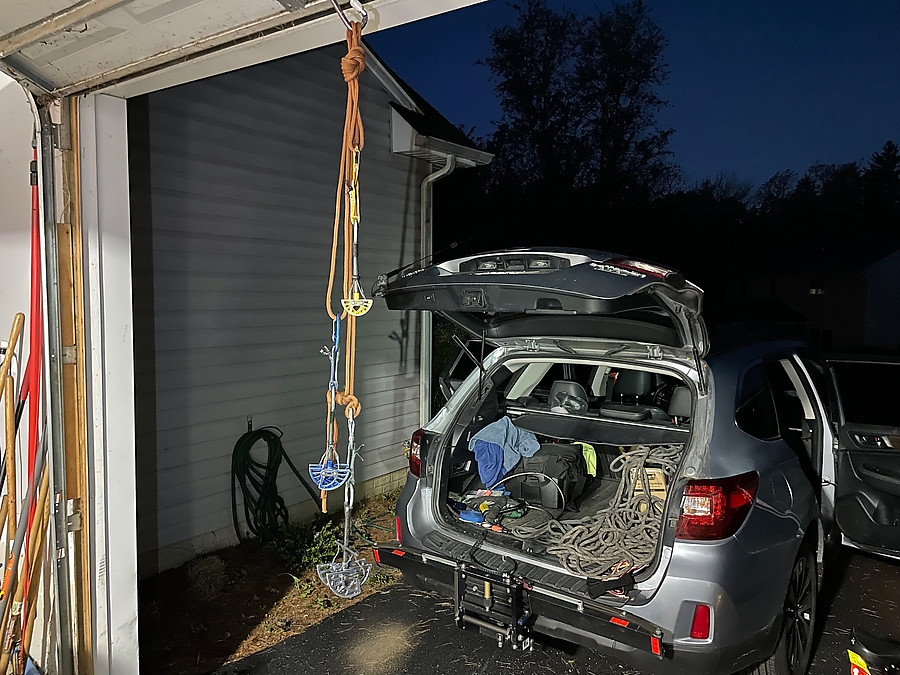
<point>109,349</point>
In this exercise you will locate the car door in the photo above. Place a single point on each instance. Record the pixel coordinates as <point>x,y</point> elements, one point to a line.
<point>867,454</point>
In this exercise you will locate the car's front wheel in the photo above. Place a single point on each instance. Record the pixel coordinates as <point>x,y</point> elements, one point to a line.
<point>794,649</point>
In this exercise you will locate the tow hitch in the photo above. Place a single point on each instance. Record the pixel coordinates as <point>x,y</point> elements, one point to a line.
<point>496,604</point>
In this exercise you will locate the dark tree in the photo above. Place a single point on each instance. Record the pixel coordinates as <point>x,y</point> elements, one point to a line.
<point>725,187</point>
<point>579,99</point>
<point>772,194</point>
<point>620,72</point>
<point>885,165</point>
<point>881,179</point>
<point>539,138</point>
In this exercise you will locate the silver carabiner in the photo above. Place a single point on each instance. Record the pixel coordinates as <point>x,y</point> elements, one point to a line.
<point>355,4</point>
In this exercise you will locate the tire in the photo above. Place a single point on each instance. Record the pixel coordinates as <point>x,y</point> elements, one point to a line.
<point>794,649</point>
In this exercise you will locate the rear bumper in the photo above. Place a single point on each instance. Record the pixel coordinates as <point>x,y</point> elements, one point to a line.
<point>558,615</point>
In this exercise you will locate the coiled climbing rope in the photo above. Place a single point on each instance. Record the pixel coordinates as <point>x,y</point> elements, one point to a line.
<point>622,537</point>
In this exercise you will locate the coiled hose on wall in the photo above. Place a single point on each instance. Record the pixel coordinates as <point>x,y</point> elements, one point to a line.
<point>264,509</point>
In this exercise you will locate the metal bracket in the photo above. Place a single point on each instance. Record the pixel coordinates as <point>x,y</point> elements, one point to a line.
<point>55,135</point>
<point>74,521</point>
<point>655,352</point>
<point>69,354</point>
<point>293,5</point>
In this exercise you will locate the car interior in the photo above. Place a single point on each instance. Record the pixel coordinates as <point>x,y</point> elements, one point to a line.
<point>611,408</point>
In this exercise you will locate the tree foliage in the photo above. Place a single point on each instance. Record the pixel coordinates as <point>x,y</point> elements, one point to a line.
<point>580,98</point>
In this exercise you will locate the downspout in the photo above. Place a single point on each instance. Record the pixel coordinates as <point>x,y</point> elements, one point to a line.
<point>425,319</point>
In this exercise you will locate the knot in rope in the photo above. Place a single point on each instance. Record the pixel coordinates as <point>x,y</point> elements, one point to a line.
<point>345,399</point>
<point>353,63</point>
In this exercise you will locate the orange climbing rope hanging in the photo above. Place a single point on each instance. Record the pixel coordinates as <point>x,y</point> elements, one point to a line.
<point>331,473</point>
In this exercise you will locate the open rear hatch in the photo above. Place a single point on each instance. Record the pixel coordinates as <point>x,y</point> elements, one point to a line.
<point>556,293</point>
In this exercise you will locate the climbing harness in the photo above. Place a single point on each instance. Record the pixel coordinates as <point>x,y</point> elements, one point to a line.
<point>347,571</point>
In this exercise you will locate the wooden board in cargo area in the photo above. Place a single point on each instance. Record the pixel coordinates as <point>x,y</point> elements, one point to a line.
<point>232,183</point>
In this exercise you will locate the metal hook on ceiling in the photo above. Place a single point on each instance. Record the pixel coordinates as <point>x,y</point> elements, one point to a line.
<point>355,4</point>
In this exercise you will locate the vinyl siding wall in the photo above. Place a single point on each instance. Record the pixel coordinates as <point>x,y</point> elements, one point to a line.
<point>233,182</point>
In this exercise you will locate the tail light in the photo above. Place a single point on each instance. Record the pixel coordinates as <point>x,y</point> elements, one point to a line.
<point>399,532</point>
<point>415,453</point>
<point>716,509</point>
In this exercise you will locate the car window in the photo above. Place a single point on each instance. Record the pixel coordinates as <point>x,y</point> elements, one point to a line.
<point>817,374</point>
<point>791,408</point>
<point>755,413</point>
<point>868,392</point>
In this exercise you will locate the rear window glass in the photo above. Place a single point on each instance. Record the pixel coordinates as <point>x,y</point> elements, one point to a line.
<point>868,392</point>
<point>755,413</point>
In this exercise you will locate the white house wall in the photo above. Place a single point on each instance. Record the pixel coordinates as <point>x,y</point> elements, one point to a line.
<point>233,182</point>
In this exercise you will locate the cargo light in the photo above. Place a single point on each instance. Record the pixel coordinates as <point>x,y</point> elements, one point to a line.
<point>415,453</point>
<point>716,509</point>
<point>700,624</point>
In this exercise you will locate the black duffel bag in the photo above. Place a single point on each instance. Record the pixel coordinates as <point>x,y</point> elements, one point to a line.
<point>555,464</point>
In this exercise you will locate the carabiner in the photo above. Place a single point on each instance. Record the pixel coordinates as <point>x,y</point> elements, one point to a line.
<point>355,4</point>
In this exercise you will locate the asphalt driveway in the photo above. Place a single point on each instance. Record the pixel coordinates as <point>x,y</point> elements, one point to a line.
<point>407,631</point>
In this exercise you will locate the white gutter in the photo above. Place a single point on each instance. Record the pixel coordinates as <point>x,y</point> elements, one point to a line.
<point>425,318</point>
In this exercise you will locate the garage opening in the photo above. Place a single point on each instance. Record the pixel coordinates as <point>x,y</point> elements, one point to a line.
<point>232,195</point>
<point>232,189</point>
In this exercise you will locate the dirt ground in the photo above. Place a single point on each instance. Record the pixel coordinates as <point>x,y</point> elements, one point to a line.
<point>241,600</point>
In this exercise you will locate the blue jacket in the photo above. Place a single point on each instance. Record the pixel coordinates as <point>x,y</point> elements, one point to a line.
<point>498,448</point>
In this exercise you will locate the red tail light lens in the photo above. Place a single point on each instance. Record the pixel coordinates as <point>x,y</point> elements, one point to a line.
<point>700,624</point>
<point>399,536</point>
<point>716,509</point>
<point>415,453</point>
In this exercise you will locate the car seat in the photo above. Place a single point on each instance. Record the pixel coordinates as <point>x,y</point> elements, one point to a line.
<point>630,389</point>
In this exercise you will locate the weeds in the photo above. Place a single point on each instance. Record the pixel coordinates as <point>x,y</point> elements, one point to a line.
<point>207,575</point>
<point>304,545</point>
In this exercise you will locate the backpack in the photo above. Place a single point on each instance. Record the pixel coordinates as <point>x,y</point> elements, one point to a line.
<point>555,464</point>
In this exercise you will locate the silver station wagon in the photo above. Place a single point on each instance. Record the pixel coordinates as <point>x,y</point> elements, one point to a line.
<point>603,478</point>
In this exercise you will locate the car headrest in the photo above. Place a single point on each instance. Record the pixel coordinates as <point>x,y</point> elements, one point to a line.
<point>569,395</point>
<point>633,383</point>
<point>680,405</point>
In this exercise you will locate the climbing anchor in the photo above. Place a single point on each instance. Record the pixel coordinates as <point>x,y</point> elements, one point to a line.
<point>356,304</point>
<point>346,576</point>
<point>330,473</point>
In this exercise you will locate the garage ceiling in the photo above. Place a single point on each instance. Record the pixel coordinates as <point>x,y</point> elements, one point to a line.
<point>131,47</point>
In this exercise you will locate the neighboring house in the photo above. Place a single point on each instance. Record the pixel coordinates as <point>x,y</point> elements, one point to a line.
<point>883,302</point>
<point>844,303</point>
<point>232,207</point>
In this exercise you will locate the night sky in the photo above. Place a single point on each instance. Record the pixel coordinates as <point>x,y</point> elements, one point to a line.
<point>755,87</point>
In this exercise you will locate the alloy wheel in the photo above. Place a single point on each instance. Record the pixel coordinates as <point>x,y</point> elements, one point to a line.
<point>798,613</point>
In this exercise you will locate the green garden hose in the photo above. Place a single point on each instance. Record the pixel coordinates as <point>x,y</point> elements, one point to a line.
<point>264,509</point>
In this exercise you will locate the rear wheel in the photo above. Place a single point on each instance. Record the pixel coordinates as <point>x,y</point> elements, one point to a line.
<point>794,649</point>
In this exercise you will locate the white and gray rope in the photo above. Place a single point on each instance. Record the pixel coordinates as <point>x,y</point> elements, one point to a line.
<point>624,535</point>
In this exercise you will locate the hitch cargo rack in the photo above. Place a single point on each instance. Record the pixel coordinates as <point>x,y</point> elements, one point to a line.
<point>495,603</point>
<point>513,608</point>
